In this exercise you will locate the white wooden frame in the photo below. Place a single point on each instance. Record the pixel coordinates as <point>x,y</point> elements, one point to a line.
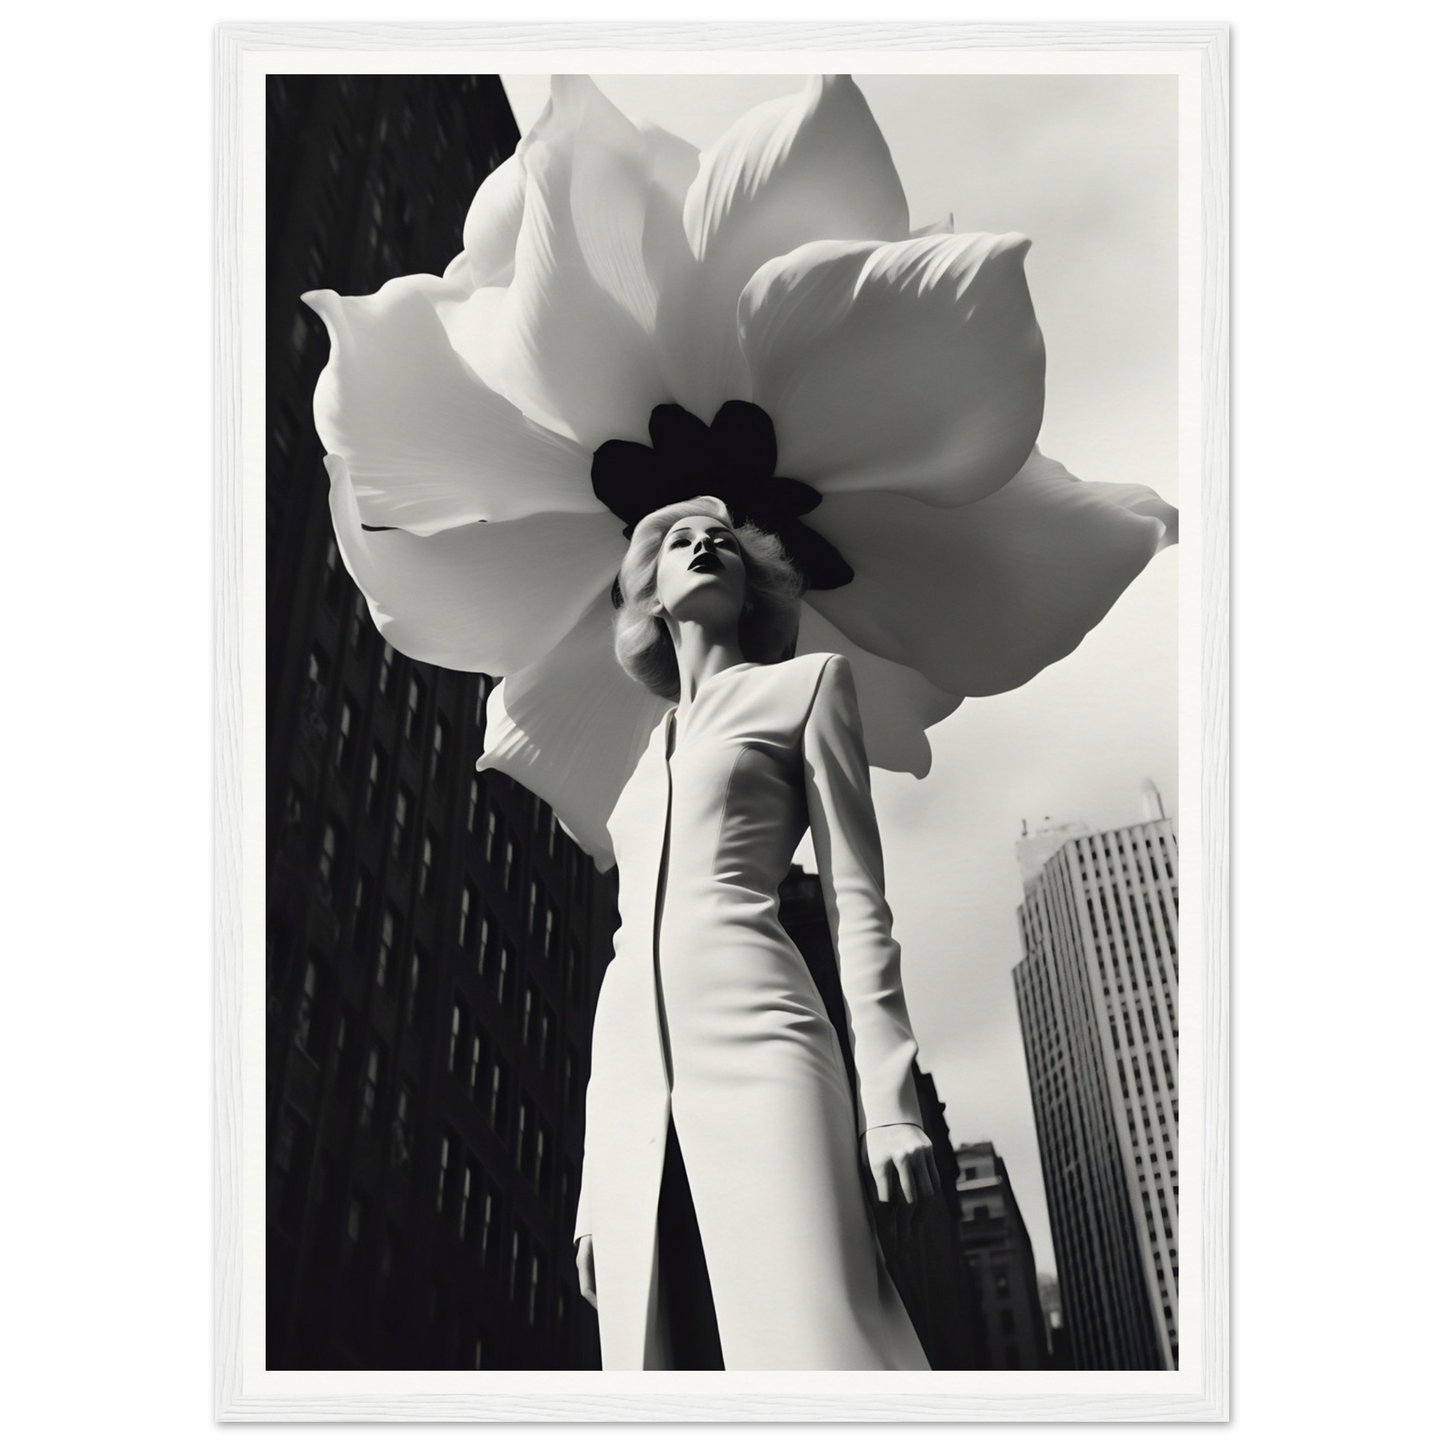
<point>243,1399</point>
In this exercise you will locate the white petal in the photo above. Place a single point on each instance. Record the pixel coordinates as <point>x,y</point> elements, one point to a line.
<point>938,228</point>
<point>913,367</point>
<point>489,235</point>
<point>490,597</point>
<point>896,703</point>
<point>804,168</point>
<point>574,345</point>
<point>979,598</point>
<point>427,444</point>
<point>571,728</point>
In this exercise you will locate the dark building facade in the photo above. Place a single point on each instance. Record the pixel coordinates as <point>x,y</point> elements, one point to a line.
<point>924,1258</point>
<point>434,940</point>
<point>1000,1258</point>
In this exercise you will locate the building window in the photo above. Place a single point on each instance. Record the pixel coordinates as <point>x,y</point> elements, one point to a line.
<point>479,707</point>
<point>549,932</point>
<point>465,917</point>
<point>504,975</point>
<point>438,746</point>
<point>466,1201</point>
<point>389,929</point>
<point>335,577</point>
<point>428,855</point>
<point>485,932</point>
<point>491,847</point>
<point>401,1127</point>
<point>454,1043</point>
<point>360,901</point>
<point>497,1098</point>
<point>360,633</point>
<point>529,1007</point>
<point>416,981</point>
<point>541,1161</point>
<point>370,1085</point>
<point>375,782</point>
<point>308,1025</point>
<point>509,867</point>
<point>386,676</point>
<point>474,797</point>
<point>343,735</point>
<point>401,825</point>
<point>1001,1285</point>
<point>442,1172</point>
<point>532,908</point>
<point>533,1288</point>
<point>488,1229</point>
<point>412,726</point>
<point>330,844</point>
<point>980,1211</point>
<point>474,1063</point>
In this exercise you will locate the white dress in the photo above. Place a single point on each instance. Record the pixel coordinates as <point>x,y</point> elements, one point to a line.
<point>708,1017</point>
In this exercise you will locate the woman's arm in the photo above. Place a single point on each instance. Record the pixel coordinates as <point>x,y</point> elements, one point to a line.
<point>850,866</point>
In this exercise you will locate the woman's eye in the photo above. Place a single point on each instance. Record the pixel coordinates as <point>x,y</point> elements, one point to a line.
<point>678,541</point>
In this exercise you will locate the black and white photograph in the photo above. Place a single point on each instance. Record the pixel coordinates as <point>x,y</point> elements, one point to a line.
<point>732,826</point>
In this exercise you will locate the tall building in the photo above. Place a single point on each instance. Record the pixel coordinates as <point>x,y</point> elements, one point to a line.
<point>1000,1258</point>
<point>1061,1354</point>
<point>434,941</point>
<point>924,1260</point>
<point>1097,993</point>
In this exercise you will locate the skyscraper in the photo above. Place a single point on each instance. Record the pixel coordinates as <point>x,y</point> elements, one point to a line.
<point>1000,1257</point>
<point>1097,993</point>
<point>434,941</point>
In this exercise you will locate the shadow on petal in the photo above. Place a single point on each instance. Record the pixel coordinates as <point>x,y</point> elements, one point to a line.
<point>915,367</point>
<point>896,703</point>
<point>571,728</point>
<point>427,444</point>
<point>980,598</point>
<point>806,167</point>
<point>490,597</point>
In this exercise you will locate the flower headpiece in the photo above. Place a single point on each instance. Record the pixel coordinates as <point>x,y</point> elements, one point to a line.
<point>615,288</point>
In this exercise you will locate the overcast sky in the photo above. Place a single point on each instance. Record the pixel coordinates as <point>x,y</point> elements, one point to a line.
<point>1085,165</point>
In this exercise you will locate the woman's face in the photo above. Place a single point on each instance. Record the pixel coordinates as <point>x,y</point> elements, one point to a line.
<point>700,574</point>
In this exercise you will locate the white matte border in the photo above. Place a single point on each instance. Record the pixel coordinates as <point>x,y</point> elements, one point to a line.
<point>244,1390</point>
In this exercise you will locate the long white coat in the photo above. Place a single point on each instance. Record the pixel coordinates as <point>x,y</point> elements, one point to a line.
<point>708,1013</point>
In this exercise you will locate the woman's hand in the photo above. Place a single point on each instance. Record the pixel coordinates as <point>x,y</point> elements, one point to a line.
<point>586,1276</point>
<point>900,1158</point>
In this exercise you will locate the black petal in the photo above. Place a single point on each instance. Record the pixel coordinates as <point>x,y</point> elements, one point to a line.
<point>819,561</point>
<point>744,442</point>
<point>626,478</point>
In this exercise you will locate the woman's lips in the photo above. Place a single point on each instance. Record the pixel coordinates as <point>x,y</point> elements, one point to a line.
<point>705,562</point>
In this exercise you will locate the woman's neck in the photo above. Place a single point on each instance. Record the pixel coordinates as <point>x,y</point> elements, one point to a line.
<point>702,653</point>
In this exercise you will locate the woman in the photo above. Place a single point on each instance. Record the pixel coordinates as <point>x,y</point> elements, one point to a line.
<point>723,1220</point>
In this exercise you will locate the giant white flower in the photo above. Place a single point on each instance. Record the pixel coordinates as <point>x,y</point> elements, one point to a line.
<point>629,321</point>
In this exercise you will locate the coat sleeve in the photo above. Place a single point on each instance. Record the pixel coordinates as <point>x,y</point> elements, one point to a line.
<point>850,865</point>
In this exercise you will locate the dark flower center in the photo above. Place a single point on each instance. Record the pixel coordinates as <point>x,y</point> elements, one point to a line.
<point>733,460</point>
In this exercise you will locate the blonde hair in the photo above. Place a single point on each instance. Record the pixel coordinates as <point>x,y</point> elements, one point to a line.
<point>767,629</point>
